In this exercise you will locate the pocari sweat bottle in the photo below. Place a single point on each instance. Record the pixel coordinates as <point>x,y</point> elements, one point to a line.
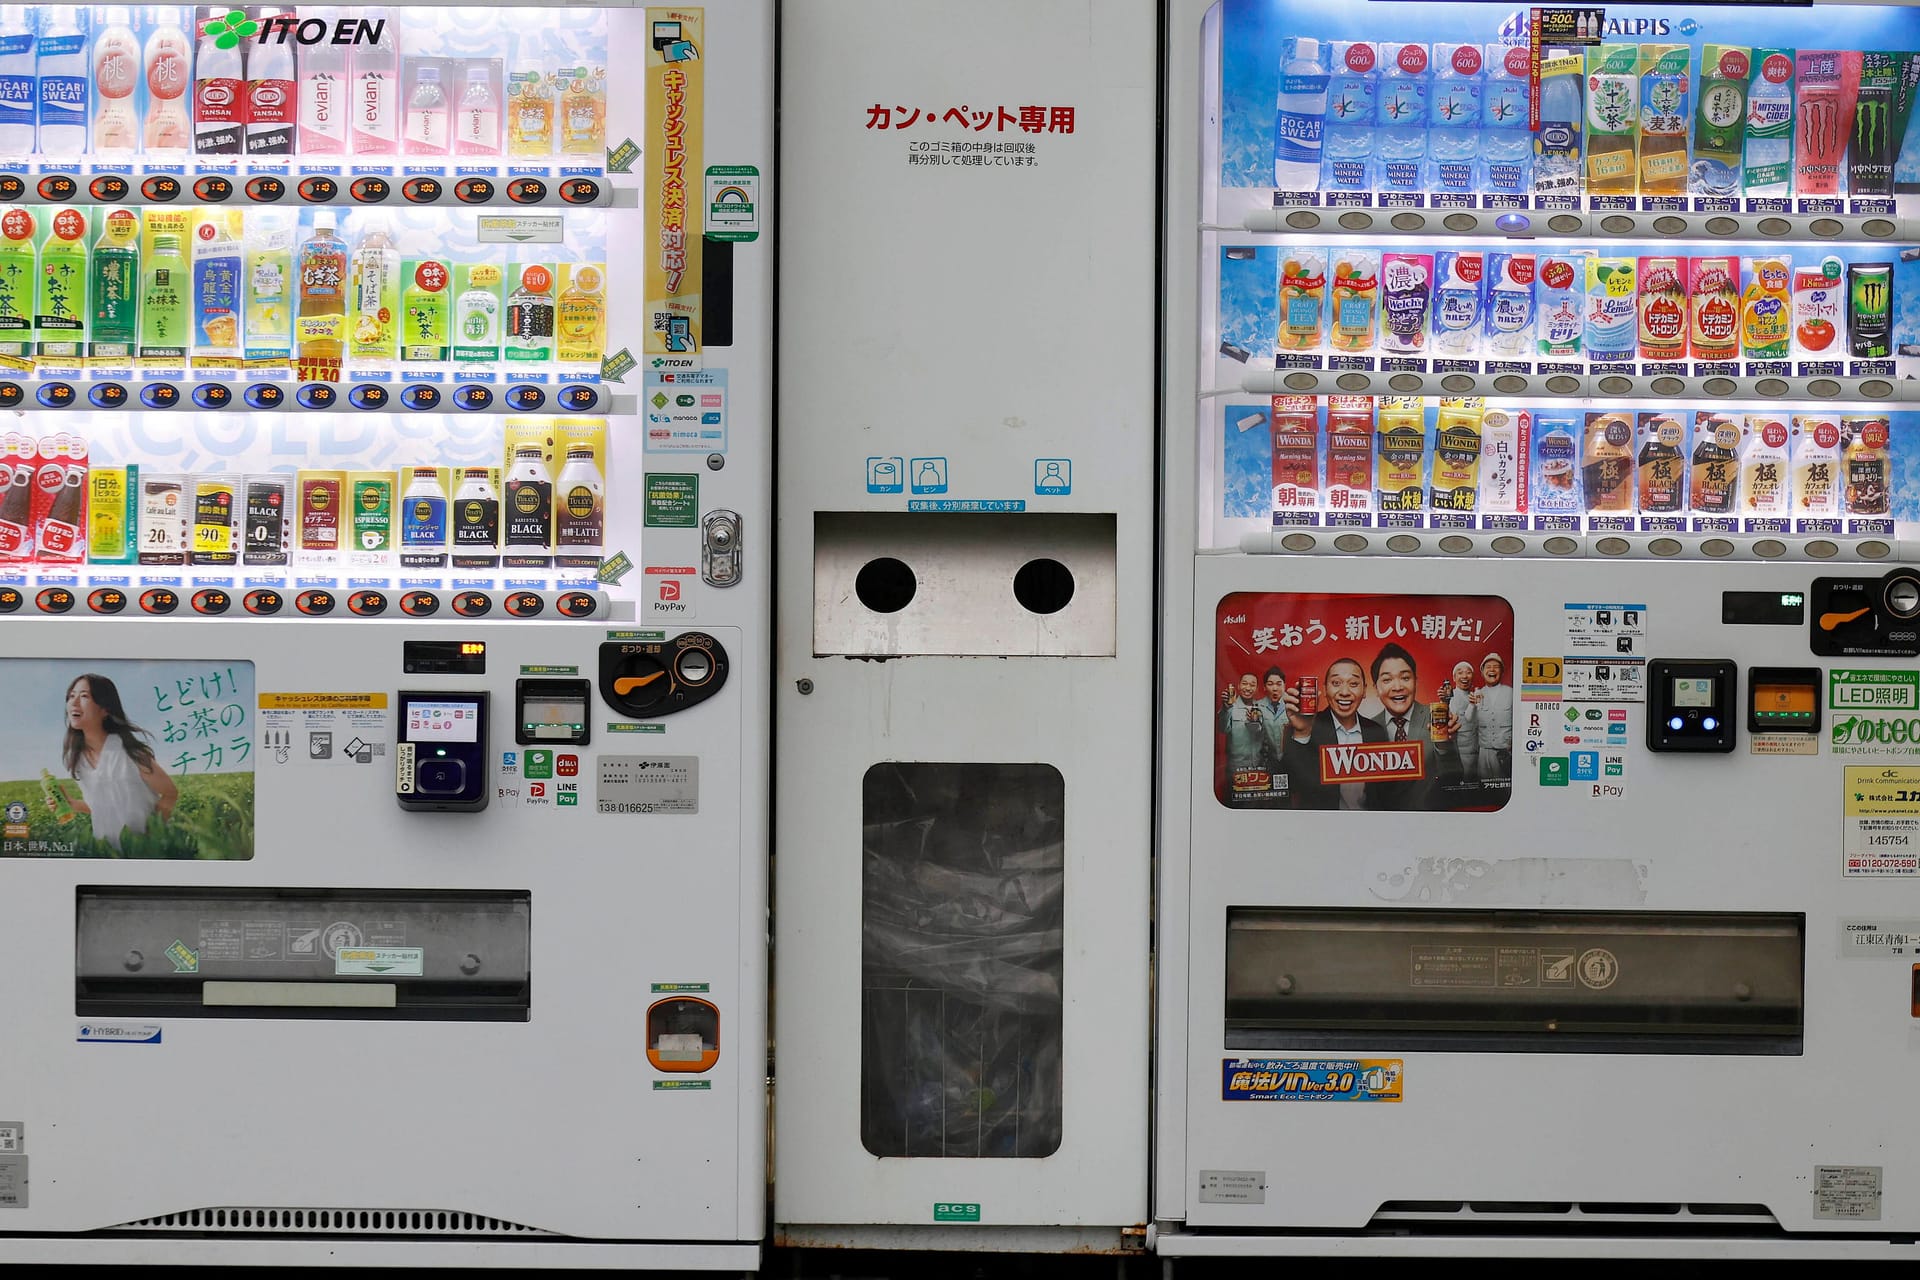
<point>64,79</point>
<point>1301,114</point>
<point>17,84</point>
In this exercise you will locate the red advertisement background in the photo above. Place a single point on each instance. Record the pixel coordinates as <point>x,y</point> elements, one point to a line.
<point>1303,633</point>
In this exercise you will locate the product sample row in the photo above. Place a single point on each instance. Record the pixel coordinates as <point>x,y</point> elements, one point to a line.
<point>1676,470</point>
<point>265,289</point>
<point>168,81</point>
<point>545,507</point>
<point>1613,119</point>
<point>1582,305</point>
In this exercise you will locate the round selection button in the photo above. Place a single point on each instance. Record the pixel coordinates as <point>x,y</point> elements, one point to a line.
<point>525,604</point>
<point>316,395</point>
<point>54,600</point>
<point>420,604</point>
<point>421,396</point>
<point>315,603</point>
<point>526,399</point>
<point>159,600</point>
<point>473,604</point>
<point>107,395</point>
<point>264,395</point>
<point>160,395</point>
<point>56,395</point>
<point>368,604</point>
<point>576,604</point>
<point>212,601</point>
<point>263,602</point>
<point>368,396</point>
<point>213,395</point>
<point>107,600</point>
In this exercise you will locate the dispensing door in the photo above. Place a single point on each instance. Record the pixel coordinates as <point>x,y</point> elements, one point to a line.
<point>966,527</point>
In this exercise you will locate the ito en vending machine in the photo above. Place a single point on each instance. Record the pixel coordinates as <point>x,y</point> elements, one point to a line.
<point>964,692</point>
<point>383,594</point>
<point>1539,712</point>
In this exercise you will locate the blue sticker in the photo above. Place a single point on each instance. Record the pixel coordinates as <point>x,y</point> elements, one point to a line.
<point>1312,1079</point>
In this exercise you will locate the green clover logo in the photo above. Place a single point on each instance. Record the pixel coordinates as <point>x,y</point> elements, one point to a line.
<point>229,31</point>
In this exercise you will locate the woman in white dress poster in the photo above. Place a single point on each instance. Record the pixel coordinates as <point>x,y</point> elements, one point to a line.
<point>121,783</point>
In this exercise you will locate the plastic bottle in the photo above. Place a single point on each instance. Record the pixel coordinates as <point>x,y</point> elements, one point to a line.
<point>1557,165</point>
<point>1301,113</point>
<point>60,63</point>
<point>166,301</point>
<point>17,281</point>
<point>1769,131</point>
<point>323,93</point>
<point>116,70</point>
<point>219,300</point>
<point>320,319</point>
<point>580,99</point>
<point>529,103</point>
<point>1506,148</point>
<point>375,324</point>
<point>1353,91</point>
<point>169,72</point>
<point>16,82</point>
<point>113,281</point>
<point>376,90</point>
<point>477,123</point>
<point>423,309</point>
<point>272,97</point>
<point>476,312</point>
<point>1401,142</point>
<point>269,285</point>
<point>1453,141</point>
<point>529,328</point>
<point>56,798</point>
<point>427,115</point>
<point>219,95</point>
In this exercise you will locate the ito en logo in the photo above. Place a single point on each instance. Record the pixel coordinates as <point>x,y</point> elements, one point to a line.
<point>229,31</point>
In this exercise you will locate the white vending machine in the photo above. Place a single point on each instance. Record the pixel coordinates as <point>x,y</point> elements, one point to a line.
<point>962,773</point>
<point>1541,611</point>
<point>385,588</point>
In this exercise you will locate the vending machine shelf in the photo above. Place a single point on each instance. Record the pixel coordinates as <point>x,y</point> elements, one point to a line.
<point>420,186</point>
<point>1546,544</point>
<point>266,395</point>
<point>1600,223</point>
<point>1432,378</point>
<point>299,599</point>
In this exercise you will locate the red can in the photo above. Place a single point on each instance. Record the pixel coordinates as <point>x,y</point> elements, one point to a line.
<point>1307,688</point>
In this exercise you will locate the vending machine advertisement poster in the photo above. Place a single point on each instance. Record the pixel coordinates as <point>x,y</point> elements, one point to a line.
<point>127,759</point>
<point>1393,702</point>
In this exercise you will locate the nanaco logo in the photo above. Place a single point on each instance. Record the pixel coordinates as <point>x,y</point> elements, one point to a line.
<point>1371,762</point>
<point>1864,731</point>
<point>229,31</point>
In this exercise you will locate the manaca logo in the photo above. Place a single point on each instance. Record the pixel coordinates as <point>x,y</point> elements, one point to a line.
<point>229,31</point>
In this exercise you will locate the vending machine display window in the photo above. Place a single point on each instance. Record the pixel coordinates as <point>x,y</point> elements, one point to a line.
<point>962,960</point>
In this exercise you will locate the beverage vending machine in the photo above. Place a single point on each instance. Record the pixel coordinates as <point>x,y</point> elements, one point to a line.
<point>1538,759</point>
<point>382,596</point>
<point>963,773</point>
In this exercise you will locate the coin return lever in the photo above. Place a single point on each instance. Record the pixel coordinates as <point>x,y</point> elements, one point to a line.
<point>656,678</point>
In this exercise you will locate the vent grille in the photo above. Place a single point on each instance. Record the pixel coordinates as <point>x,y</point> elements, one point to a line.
<point>330,1222</point>
<point>1563,1213</point>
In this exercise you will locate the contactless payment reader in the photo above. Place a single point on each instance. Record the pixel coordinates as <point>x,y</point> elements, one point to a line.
<point>442,756</point>
<point>1690,704</point>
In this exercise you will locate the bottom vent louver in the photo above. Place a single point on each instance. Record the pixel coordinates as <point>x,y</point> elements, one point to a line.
<point>329,1222</point>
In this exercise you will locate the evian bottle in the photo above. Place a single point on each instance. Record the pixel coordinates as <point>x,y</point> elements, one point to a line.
<point>323,93</point>
<point>376,89</point>
<point>271,105</point>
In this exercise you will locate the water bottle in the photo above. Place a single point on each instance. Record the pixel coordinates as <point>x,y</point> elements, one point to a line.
<point>1506,147</point>
<point>1558,144</point>
<point>1301,113</point>
<point>1347,140</point>
<point>1453,143</point>
<point>16,83</point>
<point>1401,140</point>
<point>64,81</point>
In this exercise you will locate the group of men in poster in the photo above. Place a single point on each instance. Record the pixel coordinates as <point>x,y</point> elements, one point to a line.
<point>1286,751</point>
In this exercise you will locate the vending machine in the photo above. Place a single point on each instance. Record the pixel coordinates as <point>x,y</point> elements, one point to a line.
<point>1538,746</point>
<point>964,691</point>
<point>384,596</point>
